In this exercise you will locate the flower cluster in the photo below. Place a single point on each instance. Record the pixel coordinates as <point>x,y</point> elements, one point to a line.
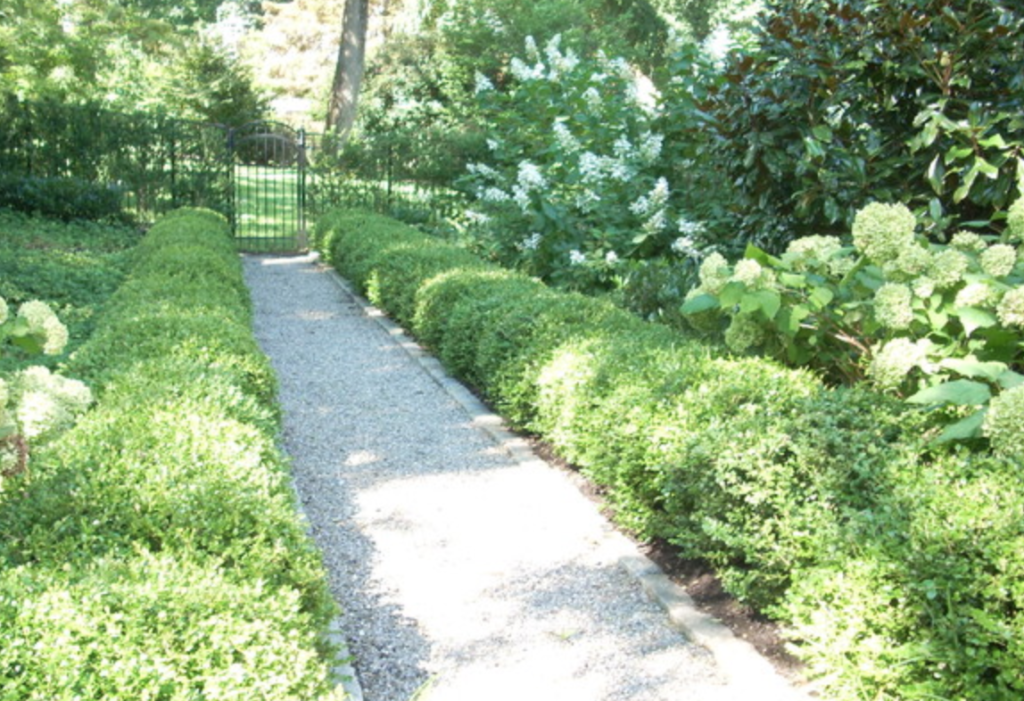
<point>1011,308</point>
<point>813,253</point>
<point>714,273</point>
<point>1015,222</point>
<point>483,83</point>
<point>743,333</point>
<point>6,422</point>
<point>883,231</point>
<point>892,362</point>
<point>967,241</point>
<point>893,308</point>
<point>46,403</point>
<point>999,260</point>
<point>1004,423</point>
<point>752,274</point>
<point>948,268</point>
<point>44,325</point>
<point>913,260</point>
<point>974,294</point>
<point>589,177</point>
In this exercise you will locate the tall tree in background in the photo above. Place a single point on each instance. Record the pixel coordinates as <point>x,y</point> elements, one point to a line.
<point>348,73</point>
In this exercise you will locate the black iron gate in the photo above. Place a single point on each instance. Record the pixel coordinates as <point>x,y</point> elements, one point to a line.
<point>269,164</point>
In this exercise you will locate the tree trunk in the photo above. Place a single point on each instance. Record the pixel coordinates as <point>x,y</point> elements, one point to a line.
<point>348,74</point>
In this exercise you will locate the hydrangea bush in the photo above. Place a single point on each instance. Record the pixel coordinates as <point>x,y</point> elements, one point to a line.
<point>941,325</point>
<point>575,184</point>
<point>35,404</point>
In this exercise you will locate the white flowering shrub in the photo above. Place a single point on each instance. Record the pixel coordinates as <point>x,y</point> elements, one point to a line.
<point>941,325</point>
<point>35,404</point>
<point>575,184</point>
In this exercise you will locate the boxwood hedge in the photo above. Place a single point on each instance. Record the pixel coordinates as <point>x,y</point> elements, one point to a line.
<point>895,571</point>
<point>154,550</point>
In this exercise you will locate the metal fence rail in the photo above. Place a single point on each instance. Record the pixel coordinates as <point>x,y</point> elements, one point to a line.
<point>270,180</point>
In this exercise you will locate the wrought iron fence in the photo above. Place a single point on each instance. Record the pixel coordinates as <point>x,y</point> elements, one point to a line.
<point>386,175</point>
<point>156,162</point>
<point>252,174</point>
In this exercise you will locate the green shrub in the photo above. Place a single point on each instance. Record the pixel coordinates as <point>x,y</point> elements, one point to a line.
<point>846,102</point>
<point>920,597</point>
<point>896,570</point>
<point>938,324</point>
<point>214,338</point>
<point>155,550</point>
<point>61,198</point>
<point>154,626</point>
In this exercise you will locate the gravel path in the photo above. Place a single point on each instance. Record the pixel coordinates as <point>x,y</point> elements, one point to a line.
<point>466,573</point>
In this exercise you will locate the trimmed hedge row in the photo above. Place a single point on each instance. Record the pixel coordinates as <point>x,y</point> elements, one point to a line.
<point>897,570</point>
<point>154,552</point>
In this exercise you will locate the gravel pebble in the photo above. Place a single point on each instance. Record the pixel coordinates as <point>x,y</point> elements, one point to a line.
<point>464,574</point>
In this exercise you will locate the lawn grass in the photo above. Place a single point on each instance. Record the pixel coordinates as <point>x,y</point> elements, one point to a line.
<point>268,213</point>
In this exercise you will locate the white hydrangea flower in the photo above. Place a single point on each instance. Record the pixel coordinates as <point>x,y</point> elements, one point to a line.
<point>812,252</point>
<point>41,320</point>
<point>622,148</point>
<point>530,178</point>
<point>974,294</point>
<point>714,273</point>
<point>483,83</point>
<point>1011,308</point>
<point>691,228</point>
<point>611,258</point>
<point>999,260</point>
<point>1004,423</point>
<point>913,260</point>
<point>893,306</point>
<point>743,333</point>
<point>923,287</point>
<point>46,403</point>
<point>477,217</point>
<point>684,245</point>
<point>531,49</point>
<point>968,241</point>
<point>892,362</point>
<point>656,223</point>
<point>495,195</point>
<point>621,171</point>
<point>592,98</point>
<point>882,231</point>
<point>650,147</point>
<point>576,258</point>
<point>482,169</point>
<point>592,167</point>
<point>948,268</point>
<point>748,271</point>
<point>566,141</point>
<point>532,242</point>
